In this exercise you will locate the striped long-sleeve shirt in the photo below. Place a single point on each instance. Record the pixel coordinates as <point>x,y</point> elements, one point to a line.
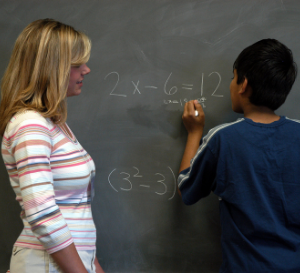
<point>52,176</point>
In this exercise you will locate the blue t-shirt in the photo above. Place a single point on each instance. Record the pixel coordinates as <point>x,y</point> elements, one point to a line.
<point>255,169</point>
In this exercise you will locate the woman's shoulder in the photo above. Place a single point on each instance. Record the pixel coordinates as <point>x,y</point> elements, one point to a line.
<point>27,117</point>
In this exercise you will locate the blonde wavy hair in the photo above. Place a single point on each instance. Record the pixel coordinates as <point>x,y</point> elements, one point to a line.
<point>38,73</point>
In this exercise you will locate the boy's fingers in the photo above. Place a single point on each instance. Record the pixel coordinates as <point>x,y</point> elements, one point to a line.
<point>198,107</point>
<point>188,108</point>
<point>192,108</point>
<point>185,111</point>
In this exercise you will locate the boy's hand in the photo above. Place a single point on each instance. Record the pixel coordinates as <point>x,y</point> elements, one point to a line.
<point>193,124</point>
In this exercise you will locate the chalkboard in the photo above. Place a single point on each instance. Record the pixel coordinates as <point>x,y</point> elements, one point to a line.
<point>148,58</point>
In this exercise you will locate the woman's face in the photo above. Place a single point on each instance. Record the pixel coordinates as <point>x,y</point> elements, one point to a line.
<point>76,77</point>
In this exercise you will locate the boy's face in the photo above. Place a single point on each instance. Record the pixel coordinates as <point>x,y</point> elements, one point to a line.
<point>234,94</point>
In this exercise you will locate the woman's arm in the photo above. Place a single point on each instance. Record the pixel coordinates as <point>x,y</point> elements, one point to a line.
<point>31,146</point>
<point>68,260</point>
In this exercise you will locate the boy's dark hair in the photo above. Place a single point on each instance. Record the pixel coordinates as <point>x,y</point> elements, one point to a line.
<point>270,70</point>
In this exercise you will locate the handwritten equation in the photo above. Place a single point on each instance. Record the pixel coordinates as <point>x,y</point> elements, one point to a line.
<point>127,181</point>
<point>168,88</point>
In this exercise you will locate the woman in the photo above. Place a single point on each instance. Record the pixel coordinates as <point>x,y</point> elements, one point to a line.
<point>50,172</point>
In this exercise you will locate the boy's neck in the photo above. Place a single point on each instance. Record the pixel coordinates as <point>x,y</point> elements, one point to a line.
<point>260,114</point>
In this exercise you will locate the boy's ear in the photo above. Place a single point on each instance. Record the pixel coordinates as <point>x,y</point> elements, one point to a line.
<point>243,86</point>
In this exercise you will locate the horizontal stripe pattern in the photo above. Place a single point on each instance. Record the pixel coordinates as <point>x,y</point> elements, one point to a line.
<point>51,176</point>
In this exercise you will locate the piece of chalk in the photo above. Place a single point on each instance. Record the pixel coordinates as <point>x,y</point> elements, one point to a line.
<point>196,113</point>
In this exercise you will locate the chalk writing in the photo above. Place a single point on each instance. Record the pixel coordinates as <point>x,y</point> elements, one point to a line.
<point>118,78</point>
<point>213,94</point>
<point>183,101</point>
<point>168,88</point>
<point>136,87</point>
<point>125,181</point>
<point>187,86</point>
<point>172,90</point>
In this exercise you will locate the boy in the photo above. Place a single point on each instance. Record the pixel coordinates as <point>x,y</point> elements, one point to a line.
<point>252,164</point>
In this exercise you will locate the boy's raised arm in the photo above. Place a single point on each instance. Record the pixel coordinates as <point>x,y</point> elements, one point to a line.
<point>194,125</point>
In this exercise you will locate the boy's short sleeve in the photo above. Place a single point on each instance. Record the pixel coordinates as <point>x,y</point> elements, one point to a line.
<point>198,180</point>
